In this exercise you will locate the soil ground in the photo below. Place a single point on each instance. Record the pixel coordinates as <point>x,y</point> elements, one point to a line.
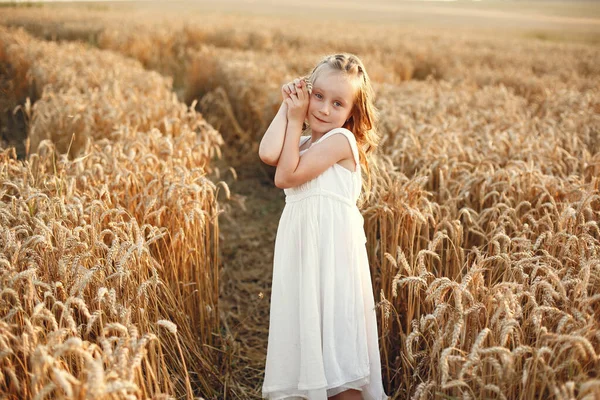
<point>248,230</point>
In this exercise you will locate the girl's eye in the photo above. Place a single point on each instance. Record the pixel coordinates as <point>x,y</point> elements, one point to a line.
<point>318,95</point>
<point>337,103</point>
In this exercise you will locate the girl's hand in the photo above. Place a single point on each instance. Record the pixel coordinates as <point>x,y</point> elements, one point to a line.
<point>297,102</point>
<point>290,87</point>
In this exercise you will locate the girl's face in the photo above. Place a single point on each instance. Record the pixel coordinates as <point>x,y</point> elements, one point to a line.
<point>331,100</point>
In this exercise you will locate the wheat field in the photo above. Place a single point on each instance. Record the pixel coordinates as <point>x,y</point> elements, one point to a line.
<point>124,275</point>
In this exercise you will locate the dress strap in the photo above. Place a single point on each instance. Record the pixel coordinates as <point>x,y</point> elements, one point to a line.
<point>303,139</point>
<point>350,137</point>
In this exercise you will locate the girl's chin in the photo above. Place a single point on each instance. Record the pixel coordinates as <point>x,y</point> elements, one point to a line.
<point>318,129</point>
<point>319,126</point>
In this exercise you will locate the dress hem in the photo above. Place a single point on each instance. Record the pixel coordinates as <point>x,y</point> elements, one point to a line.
<point>320,386</point>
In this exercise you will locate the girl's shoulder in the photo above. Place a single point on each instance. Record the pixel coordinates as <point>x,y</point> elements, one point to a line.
<point>346,132</point>
<point>341,129</point>
<point>351,139</point>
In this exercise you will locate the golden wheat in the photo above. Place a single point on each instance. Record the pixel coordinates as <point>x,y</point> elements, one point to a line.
<point>482,226</point>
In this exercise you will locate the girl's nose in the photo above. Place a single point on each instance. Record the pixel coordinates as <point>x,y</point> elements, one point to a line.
<point>325,109</point>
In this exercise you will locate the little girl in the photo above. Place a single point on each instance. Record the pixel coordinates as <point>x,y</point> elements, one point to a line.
<point>323,339</point>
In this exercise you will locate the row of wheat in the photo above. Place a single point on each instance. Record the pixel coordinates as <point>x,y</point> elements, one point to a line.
<point>242,61</point>
<point>109,261</point>
<point>488,241</point>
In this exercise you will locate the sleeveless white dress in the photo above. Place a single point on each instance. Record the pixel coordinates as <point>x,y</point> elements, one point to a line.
<point>323,335</point>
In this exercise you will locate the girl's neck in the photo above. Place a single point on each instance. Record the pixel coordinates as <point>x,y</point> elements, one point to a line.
<point>314,138</point>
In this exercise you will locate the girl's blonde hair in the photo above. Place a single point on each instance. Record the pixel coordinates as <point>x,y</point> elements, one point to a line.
<point>364,116</point>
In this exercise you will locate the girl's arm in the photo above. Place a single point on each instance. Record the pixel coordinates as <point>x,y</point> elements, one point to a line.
<point>271,144</point>
<point>272,141</point>
<point>297,105</point>
<point>290,153</point>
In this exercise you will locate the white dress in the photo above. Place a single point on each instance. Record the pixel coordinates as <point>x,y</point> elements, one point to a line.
<point>323,335</point>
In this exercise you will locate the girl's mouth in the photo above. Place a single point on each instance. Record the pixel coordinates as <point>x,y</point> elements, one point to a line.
<point>320,120</point>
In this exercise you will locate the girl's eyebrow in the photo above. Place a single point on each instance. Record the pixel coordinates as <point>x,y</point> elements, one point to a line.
<point>340,99</point>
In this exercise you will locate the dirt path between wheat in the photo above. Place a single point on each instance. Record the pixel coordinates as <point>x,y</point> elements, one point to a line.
<point>247,234</point>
